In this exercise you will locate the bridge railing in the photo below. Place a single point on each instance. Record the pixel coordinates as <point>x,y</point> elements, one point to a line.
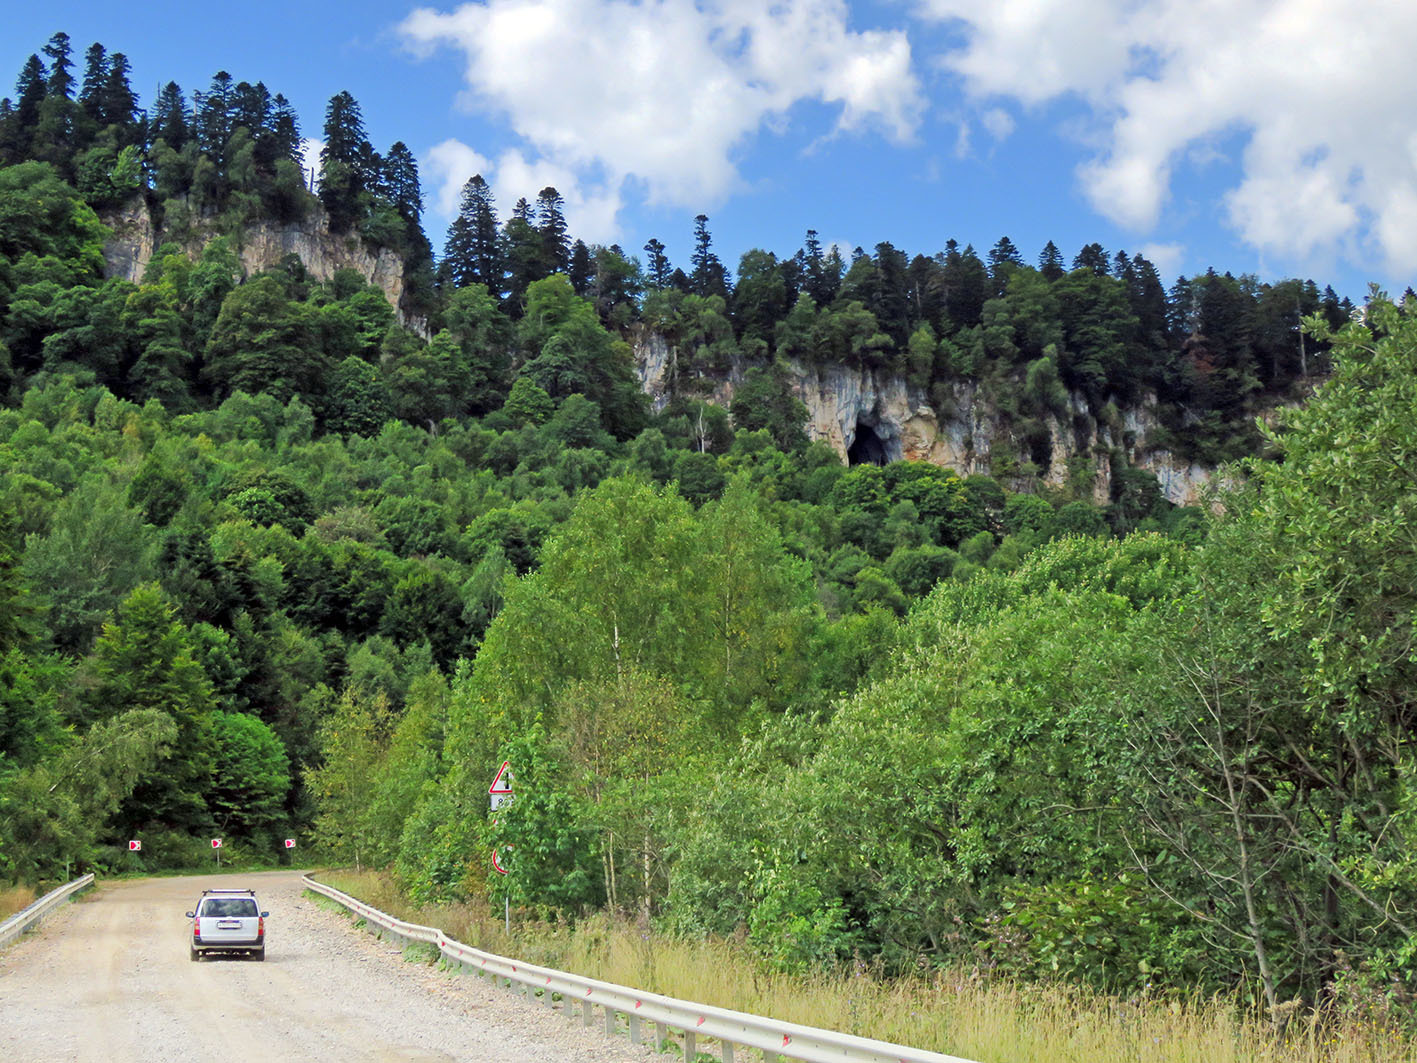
<point>648,1015</point>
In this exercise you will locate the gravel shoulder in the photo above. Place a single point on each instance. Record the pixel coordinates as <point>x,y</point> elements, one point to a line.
<point>108,980</point>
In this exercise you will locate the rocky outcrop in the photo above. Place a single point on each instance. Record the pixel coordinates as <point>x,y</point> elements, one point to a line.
<point>258,246</point>
<point>864,415</point>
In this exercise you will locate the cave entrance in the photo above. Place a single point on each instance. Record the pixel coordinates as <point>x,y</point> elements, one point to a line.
<point>867,448</point>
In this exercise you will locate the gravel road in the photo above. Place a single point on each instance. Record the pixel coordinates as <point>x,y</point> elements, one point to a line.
<point>108,980</point>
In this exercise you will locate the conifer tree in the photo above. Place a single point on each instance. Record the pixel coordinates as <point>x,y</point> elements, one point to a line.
<point>61,82</point>
<point>401,182</point>
<point>251,107</point>
<point>95,78</point>
<point>1092,257</point>
<point>472,253</point>
<point>171,121</point>
<point>343,177</point>
<point>118,103</point>
<point>657,265</point>
<point>708,276</point>
<point>1050,261</point>
<point>54,136</point>
<point>522,245</point>
<point>20,124</point>
<point>1004,253</point>
<point>555,244</point>
<point>487,259</point>
<point>822,271</point>
<point>456,266</point>
<point>582,270</point>
<point>285,130</point>
<point>212,119</point>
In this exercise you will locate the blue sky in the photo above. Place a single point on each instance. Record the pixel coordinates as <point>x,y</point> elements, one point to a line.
<point>1265,136</point>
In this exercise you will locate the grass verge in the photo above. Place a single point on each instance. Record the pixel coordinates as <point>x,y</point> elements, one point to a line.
<point>962,1013</point>
<point>15,899</point>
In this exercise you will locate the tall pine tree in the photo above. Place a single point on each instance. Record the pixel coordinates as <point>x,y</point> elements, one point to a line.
<point>555,244</point>
<point>343,178</point>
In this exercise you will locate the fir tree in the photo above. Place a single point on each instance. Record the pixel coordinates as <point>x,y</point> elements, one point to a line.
<point>1050,261</point>
<point>708,275</point>
<point>285,130</point>
<point>171,121</point>
<point>119,104</point>
<point>212,119</point>
<point>1092,257</point>
<point>61,82</point>
<point>658,265</point>
<point>401,184</point>
<point>95,79</point>
<point>343,177</point>
<point>555,244</point>
<point>17,132</point>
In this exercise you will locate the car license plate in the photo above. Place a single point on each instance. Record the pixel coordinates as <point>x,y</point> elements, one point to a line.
<point>228,924</point>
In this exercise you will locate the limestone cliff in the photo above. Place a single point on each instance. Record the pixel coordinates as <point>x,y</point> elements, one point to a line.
<point>849,408</point>
<point>258,246</point>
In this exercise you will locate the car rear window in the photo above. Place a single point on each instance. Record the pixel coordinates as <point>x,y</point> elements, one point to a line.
<point>229,907</point>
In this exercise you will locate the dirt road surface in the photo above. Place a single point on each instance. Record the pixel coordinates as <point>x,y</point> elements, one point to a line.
<point>108,980</point>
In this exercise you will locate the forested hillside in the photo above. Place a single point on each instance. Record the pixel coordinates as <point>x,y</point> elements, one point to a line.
<point>278,556</point>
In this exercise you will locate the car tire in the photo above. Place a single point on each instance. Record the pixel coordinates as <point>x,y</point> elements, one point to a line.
<point>194,955</point>
<point>259,955</point>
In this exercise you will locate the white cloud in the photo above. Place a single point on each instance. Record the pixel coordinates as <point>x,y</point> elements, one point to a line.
<point>997,122</point>
<point>1316,90</point>
<point>665,91</point>
<point>590,211</point>
<point>452,163</point>
<point>1167,258</point>
<point>310,160</point>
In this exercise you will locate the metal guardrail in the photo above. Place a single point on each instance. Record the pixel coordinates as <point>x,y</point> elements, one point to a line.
<point>776,1040</point>
<point>23,920</point>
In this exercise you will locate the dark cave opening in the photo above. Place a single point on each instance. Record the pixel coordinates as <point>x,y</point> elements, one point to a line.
<point>867,448</point>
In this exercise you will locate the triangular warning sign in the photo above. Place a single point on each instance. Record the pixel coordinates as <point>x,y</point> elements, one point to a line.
<point>503,783</point>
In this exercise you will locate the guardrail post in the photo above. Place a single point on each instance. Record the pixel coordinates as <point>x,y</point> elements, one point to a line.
<point>609,1022</point>
<point>769,1057</point>
<point>661,1032</point>
<point>585,1012</point>
<point>634,1029</point>
<point>727,1052</point>
<point>691,1047</point>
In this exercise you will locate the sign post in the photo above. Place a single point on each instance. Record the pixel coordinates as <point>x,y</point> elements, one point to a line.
<point>216,846</point>
<point>500,792</point>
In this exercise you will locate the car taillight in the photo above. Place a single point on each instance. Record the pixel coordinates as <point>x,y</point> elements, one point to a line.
<point>261,926</point>
<point>196,930</point>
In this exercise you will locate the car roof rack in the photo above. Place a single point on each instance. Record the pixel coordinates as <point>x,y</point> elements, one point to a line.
<point>205,892</point>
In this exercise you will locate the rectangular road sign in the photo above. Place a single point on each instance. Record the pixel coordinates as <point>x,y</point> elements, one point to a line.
<point>216,843</point>
<point>135,846</point>
<point>290,843</point>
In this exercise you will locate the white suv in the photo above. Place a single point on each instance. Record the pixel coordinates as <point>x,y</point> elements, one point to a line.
<point>228,921</point>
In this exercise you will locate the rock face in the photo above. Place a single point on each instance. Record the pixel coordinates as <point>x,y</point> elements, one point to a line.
<point>867,416</point>
<point>259,246</point>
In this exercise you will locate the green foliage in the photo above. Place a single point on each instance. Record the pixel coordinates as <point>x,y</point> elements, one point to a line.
<point>883,713</point>
<point>353,737</point>
<point>250,775</point>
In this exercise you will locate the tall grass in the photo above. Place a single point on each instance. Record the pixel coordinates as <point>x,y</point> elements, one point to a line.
<point>14,899</point>
<point>989,1019</point>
